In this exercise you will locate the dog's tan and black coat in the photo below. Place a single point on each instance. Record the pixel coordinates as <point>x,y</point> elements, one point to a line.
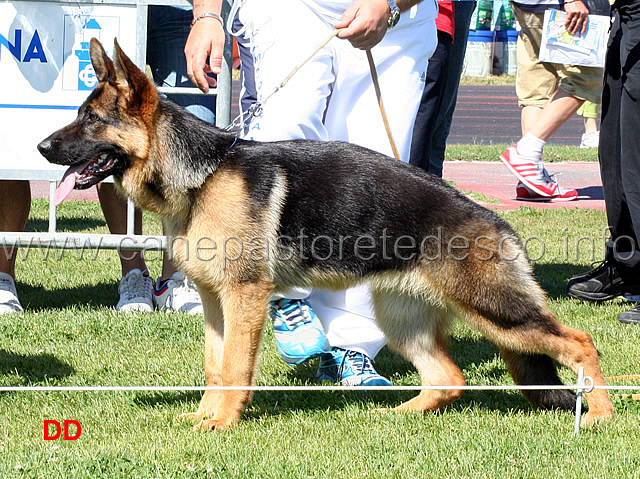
<point>326,214</point>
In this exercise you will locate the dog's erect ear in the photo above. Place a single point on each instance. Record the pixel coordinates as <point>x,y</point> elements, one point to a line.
<point>102,64</point>
<point>130,79</point>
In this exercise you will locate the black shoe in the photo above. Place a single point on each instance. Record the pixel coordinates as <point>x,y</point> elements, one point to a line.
<point>602,283</point>
<point>630,317</point>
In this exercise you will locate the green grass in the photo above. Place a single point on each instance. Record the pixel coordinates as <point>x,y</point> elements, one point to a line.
<point>552,154</point>
<point>71,335</point>
<point>490,80</point>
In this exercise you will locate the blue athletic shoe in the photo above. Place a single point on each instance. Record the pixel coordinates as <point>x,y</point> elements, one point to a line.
<point>350,368</point>
<point>299,334</point>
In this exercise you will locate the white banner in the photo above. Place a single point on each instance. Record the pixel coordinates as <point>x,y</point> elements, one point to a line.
<point>45,69</point>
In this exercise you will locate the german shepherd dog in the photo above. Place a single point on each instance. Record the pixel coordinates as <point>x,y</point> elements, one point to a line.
<point>325,214</point>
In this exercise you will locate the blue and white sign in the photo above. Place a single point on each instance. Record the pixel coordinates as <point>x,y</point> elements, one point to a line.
<point>77,72</point>
<point>45,69</point>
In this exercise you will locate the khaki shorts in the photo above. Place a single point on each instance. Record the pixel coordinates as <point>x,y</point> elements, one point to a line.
<point>536,82</point>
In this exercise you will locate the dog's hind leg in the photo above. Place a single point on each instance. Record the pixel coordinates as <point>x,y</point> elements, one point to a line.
<point>574,348</point>
<point>213,347</point>
<point>244,307</point>
<point>529,351</point>
<point>417,330</point>
<point>536,369</point>
<point>504,301</point>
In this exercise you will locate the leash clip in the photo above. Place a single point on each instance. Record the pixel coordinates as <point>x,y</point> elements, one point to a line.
<point>243,120</point>
<point>245,117</point>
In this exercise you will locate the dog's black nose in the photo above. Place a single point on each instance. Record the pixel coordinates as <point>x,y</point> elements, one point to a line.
<point>44,146</point>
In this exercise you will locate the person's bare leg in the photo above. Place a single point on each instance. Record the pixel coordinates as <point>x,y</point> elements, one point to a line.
<point>168,268</point>
<point>529,117</point>
<point>526,161</point>
<point>114,208</point>
<point>556,112</point>
<point>590,125</point>
<point>14,211</point>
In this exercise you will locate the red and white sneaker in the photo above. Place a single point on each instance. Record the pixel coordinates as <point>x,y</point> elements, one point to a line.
<point>525,194</point>
<point>531,172</point>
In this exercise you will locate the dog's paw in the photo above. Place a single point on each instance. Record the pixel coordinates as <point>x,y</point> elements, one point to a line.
<point>214,425</point>
<point>191,416</point>
<point>591,418</point>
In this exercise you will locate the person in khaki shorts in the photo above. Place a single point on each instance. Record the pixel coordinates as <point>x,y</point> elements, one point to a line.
<point>549,95</point>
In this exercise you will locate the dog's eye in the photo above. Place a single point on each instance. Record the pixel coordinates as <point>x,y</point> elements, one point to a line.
<point>93,117</point>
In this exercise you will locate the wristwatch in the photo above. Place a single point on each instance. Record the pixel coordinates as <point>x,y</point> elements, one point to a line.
<point>395,14</point>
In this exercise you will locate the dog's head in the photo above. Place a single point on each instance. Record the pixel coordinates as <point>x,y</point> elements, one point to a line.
<point>110,132</point>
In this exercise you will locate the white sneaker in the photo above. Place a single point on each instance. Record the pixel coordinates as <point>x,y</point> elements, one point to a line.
<point>136,292</point>
<point>8,295</point>
<point>178,293</point>
<point>590,140</point>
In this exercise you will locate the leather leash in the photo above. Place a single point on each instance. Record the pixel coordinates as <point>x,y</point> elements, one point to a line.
<point>376,86</point>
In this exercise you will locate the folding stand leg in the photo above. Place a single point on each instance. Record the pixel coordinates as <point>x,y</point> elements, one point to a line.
<point>131,217</point>
<point>576,427</point>
<point>52,208</point>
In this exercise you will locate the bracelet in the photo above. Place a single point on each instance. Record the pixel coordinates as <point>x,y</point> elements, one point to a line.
<point>570,1</point>
<point>211,15</point>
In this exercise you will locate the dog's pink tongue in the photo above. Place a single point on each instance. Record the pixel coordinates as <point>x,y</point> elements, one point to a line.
<point>67,184</point>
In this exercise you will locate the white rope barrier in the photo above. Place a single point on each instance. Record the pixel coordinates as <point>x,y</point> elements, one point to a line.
<point>584,388</point>
<point>583,385</point>
<point>303,388</point>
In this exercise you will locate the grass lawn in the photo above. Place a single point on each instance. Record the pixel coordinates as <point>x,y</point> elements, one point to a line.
<point>552,154</point>
<point>70,335</point>
<point>489,80</point>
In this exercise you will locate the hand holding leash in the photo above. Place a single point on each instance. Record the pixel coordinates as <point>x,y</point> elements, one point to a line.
<point>364,23</point>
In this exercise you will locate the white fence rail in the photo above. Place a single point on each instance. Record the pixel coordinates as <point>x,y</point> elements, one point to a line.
<point>583,385</point>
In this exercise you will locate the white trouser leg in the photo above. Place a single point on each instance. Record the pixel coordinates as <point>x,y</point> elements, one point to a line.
<point>332,98</point>
<point>348,320</point>
<point>283,34</point>
<point>297,292</point>
<point>401,61</point>
<point>296,111</point>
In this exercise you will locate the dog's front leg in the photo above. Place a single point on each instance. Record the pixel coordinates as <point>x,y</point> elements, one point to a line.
<point>244,308</point>
<point>213,348</point>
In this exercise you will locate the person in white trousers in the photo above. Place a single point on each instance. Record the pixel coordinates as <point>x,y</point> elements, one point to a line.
<point>331,97</point>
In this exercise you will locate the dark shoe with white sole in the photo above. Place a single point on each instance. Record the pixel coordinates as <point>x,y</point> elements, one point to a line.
<point>603,283</point>
<point>630,317</point>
